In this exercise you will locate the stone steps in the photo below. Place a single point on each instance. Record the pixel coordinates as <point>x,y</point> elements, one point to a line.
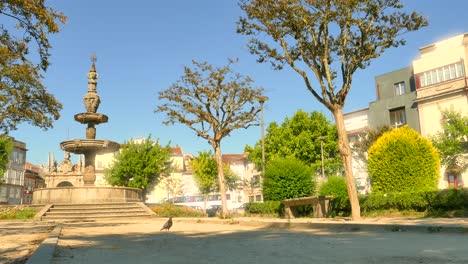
<point>67,212</point>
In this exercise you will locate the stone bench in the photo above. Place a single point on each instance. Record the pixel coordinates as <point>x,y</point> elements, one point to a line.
<point>321,205</point>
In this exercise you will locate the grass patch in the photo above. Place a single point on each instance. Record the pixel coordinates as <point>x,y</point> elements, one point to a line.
<point>17,212</point>
<point>168,210</point>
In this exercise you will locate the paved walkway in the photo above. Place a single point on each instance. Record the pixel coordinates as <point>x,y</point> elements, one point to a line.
<point>66,234</point>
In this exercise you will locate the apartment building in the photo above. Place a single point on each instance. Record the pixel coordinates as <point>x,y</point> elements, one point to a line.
<point>12,187</point>
<point>441,83</point>
<point>395,104</point>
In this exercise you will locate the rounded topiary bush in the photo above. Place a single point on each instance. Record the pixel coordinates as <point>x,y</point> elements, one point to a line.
<point>287,179</point>
<point>336,186</point>
<point>402,160</point>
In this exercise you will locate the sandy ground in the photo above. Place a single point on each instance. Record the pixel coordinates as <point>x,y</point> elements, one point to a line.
<point>229,244</point>
<point>20,239</point>
<point>192,242</point>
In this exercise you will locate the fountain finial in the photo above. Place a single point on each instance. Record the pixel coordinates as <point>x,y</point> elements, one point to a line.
<point>92,75</point>
<point>91,99</point>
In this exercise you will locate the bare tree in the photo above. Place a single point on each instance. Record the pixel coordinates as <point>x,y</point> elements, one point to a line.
<point>328,40</point>
<point>212,101</point>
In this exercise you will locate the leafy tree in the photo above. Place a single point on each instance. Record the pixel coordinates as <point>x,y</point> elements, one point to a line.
<point>286,179</point>
<point>360,148</point>
<point>205,172</point>
<point>299,137</point>
<point>6,146</point>
<point>139,165</point>
<point>402,160</point>
<point>452,143</point>
<point>212,101</point>
<point>329,40</point>
<point>23,97</point>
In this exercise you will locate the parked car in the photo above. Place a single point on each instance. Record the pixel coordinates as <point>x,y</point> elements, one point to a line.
<point>213,210</point>
<point>197,207</point>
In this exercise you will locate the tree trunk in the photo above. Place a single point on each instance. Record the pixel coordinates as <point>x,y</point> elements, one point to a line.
<point>345,153</point>
<point>222,187</point>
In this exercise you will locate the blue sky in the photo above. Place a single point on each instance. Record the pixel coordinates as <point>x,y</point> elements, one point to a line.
<point>143,45</point>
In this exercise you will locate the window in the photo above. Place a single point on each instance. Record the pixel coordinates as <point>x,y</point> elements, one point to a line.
<point>251,199</point>
<point>399,88</point>
<point>442,74</point>
<point>258,198</point>
<point>397,117</point>
<point>256,181</point>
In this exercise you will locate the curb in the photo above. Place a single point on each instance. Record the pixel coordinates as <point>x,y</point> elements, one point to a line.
<point>45,252</point>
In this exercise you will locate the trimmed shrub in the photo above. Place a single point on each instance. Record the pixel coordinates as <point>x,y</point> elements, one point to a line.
<point>448,200</point>
<point>287,179</point>
<point>404,201</point>
<point>271,208</point>
<point>336,186</point>
<point>401,160</point>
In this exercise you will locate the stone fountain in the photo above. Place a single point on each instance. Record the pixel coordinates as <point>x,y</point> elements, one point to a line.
<point>89,147</point>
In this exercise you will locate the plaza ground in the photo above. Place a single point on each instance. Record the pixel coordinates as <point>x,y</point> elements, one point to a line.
<point>244,240</point>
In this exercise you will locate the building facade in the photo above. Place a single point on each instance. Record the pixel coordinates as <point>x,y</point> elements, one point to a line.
<point>12,187</point>
<point>416,95</point>
<point>440,74</point>
<point>395,105</point>
<point>33,179</point>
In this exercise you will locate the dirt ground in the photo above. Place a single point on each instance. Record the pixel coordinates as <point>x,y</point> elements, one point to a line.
<point>20,239</point>
<point>204,242</point>
<point>187,242</point>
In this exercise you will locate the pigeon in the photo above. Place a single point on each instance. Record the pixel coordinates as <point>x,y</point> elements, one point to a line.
<point>167,225</point>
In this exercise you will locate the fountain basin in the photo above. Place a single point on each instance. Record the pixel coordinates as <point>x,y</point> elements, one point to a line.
<point>85,146</point>
<point>89,195</point>
<point>91,118</point>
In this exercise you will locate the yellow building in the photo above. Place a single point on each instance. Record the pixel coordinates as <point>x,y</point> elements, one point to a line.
<point>441,83</point>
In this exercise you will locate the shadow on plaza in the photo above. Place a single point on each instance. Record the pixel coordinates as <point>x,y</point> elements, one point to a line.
<point>279,242</point>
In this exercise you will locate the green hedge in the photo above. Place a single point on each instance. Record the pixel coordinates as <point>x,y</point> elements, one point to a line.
<point>270,208</point>
<point>336,187</point>
<point>433,203</point>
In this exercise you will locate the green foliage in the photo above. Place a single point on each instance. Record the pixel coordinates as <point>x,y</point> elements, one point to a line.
<point>267,208</point>
<point>400,201</point>
<point>431,203</point>
<point>287,179</point>
<point>299,137</point>
<point>326,40</point>
<point>452,143</point>
<point>336,186</point>
<point>361,147</point>
<point>23,96</point>
<point>17,212</point>
<point>449,200</point>
<point>139,165</point>
<point>401,160</point>
<point>168,210</point>
<point>205,173</point>
<point>6,146</point>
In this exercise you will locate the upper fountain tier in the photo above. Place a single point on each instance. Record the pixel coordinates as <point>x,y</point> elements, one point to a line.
<point>91,101</point>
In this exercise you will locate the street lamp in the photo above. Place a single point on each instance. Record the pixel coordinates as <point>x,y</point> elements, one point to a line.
<point>262,100</point>
<point>321,148</point>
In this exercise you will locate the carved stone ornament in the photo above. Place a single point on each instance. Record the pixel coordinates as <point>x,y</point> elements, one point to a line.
<point>91,101</point>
